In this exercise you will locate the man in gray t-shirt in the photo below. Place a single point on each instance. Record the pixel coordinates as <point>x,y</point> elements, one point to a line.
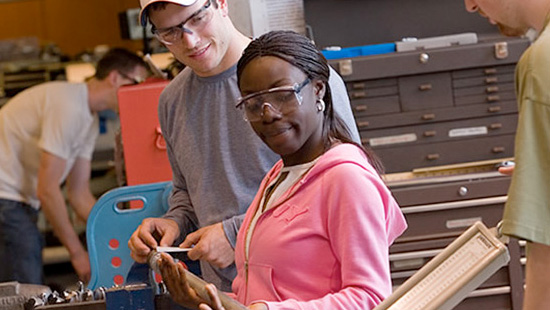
<point>217,160</point>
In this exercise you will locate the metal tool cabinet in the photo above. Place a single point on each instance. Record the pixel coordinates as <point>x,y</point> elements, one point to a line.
<point>446,106</point>
<point>438,106</point>
<point>438,210</point>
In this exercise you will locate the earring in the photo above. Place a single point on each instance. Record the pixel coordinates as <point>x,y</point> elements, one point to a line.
<point>320,104</point>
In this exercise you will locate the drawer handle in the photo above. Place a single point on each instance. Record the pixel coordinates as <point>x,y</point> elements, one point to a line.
<point>493,98</point>
<point>358,95</point>
<point>491,80</point>
<point>429,133</point>
<point>492,89</point>
<point>362,107</point>
<point>432,156</point>
<point>498,149</point>
<point>494,109</point>
<point>463,191</point>
<point>495,126</point>
<point>425,87</point>
<point>363,124</point>
<point>428,116</point>
<point>490,71</point>
<point>358,86</point>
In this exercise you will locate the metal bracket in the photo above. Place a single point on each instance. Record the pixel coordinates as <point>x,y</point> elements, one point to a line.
<point>345,67</point>
<point>501,50</point>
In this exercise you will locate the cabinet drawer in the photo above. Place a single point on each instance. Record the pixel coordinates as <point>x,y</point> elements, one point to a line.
<point>484,71</point>
<point>490,80</point>
<point>370,84</point>
<point>425,91</point>
<point>441,219</point>
<point>403,245</point>
<point>491,98</point>
<point>484,90</point>
<point>439,132</point>
<point>373,92</point>
<point>375,106</point>
<point>435,115</point>
<point>409,157</point>
<point>451,191</point>
<point>498,298</point>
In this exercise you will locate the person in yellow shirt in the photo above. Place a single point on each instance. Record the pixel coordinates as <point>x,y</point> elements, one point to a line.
<point>527,211</point>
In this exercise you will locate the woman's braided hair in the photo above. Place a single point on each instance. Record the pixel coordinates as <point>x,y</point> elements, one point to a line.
<point>300,52</point>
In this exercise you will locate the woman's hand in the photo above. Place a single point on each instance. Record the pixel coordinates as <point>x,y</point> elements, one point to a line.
<point>217,304</point>
<point>213,294</point>
<point>173,275</point>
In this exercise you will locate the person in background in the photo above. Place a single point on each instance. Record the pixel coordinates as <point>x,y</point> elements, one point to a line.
<point>217,161</point>
<point>527,210</point>
<point>47,136</point>
<point>318,232</point>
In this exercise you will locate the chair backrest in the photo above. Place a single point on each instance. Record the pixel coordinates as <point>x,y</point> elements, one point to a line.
<point>110,226</point>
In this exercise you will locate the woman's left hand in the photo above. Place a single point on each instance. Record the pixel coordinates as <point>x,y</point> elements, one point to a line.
<point>173,275</point>
<point>217,304</point>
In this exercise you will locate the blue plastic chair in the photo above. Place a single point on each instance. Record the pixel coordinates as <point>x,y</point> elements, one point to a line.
<point>109,228</point>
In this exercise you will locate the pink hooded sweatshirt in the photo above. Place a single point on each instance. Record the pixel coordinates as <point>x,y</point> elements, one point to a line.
<point>324,244</point>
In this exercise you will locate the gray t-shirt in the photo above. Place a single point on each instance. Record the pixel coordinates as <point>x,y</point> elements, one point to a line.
<point>217,160</point>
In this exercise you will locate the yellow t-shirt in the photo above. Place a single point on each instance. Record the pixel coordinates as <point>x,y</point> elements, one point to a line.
<point>527,211</point>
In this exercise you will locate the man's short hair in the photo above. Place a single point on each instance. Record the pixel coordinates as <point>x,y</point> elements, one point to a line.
<point>118,59</point>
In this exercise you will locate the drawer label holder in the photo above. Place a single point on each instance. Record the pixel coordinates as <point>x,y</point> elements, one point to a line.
<point>466,132</point>
<point>404,138</point>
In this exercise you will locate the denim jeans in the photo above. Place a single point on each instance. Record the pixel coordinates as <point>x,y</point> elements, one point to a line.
<point>20,243</point>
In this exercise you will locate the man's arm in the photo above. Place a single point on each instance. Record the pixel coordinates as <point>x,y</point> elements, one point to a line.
<point>78,188</point>
<point>342,106</point>
<point>54,208</point>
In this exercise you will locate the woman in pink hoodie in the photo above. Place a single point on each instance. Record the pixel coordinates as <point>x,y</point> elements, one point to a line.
<point>317,234</point>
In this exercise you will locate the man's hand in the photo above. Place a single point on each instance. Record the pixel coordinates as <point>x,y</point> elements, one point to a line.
<point>142,241</point>
<point>81,265</point>
<point>210,244</point>
<point>506,170</point>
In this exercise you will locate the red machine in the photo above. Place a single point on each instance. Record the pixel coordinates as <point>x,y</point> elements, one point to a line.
<point>144,147</point>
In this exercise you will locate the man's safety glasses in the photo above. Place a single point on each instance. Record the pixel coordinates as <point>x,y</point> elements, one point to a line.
<point>192,24</point>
